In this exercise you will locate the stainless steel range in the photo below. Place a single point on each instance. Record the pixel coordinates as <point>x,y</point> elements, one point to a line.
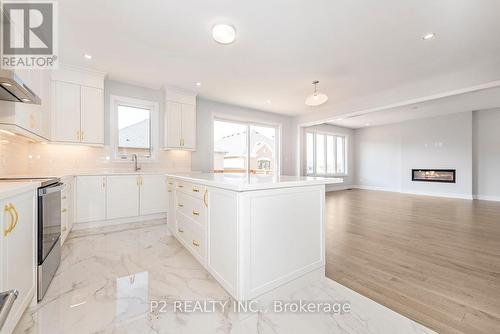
<point>49,229</point>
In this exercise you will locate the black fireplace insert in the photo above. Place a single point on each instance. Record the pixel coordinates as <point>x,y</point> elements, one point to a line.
<point>434,175</point>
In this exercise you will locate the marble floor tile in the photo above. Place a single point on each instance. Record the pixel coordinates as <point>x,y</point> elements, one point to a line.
<point>108,278</point>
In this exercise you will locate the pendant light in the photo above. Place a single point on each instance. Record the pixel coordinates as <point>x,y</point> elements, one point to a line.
<point>316,98</point>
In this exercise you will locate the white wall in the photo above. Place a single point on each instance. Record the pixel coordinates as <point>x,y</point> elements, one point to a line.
<point>377,157</point>
<point>202,159</point>
<point>336,130</point>
<point>385,155</point>
<point>486,143</point>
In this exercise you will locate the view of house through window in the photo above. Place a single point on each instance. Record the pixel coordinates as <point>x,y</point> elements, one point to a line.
<point>244,147</point>
<point>325,154</point>
<point>134,131</point>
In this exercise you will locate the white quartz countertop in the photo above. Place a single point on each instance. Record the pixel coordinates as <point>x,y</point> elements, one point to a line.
<point>246,182</point>
<point>9,189</point>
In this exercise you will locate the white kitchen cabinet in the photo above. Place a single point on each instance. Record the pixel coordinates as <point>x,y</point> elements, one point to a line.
<point>66,120</point>
<point>188,126</point>
<point>122,196</point>
<point>90,198</point>
<point>78,108</point>
<point>92,115</point>
<point>171,205</point>
<point>153,194</point>
<point>180,120</point>
<point>67,204</point>
<point>17,255</point>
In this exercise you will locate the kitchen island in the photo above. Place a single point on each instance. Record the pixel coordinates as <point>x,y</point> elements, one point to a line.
<point>253,233</point>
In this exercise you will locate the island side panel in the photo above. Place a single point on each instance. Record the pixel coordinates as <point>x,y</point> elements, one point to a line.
<point>282,236</point>
<point>223,238</point>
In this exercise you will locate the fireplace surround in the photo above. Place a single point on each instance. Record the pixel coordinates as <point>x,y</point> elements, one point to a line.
<point>434,175</point>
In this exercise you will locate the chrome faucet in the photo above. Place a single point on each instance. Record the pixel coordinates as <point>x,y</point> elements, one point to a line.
<point>134,159</point>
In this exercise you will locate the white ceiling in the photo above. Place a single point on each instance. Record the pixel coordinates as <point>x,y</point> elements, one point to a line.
<point>355,48</point>
<point>478,100</point>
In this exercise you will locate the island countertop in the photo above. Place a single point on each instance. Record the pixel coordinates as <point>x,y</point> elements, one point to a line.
<point>248,182</point>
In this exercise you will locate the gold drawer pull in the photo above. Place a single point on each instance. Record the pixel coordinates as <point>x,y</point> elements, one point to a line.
<point>64,210</point>
<point>205,198</point>
<point>180,186</point>
<point>171,183</point>
<point>196,190</point>
<point>180,205</point>
<point>169,191</point>
<point>14,218</point>
<point>196,213</point>
<point>196,243</point>
<point>64,197</point>
<point>180,230</point>
<point>64,228</point>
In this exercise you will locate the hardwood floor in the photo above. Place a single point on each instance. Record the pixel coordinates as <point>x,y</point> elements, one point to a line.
<point>434,260</point>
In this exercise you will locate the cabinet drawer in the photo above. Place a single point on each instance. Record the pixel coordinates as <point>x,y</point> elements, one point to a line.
<point>195,190</point>
<point>191,207</point>
<point>192,235</point>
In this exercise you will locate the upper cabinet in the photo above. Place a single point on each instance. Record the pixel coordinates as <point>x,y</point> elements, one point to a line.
<point>78,106</point>
<point>180,119</point>
<point>29,120</point>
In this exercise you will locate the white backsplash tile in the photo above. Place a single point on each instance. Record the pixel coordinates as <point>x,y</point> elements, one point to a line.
<point>19,156</point>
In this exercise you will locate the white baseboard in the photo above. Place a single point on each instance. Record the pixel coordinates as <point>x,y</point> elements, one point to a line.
<point>101,223</point>
<point>421,193</point>
<point>487,198</point>
<point>393,190</point>
<point>337,187</point>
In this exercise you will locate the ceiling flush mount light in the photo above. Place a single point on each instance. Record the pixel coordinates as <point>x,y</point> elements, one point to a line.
<point>316,98</point>
<point>198,84</point>
<point>224,33</point>
<point>87,56</point>
<point>429,36</point>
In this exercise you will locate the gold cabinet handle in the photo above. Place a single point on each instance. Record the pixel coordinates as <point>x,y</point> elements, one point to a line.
<point>64,228</point>
<point>180,230</point>
<point>169,190</point>
<point>195,213</point>
<point>64,210</point>
<point>17,218</point>
<point>78,135</point>
<point>180,186</point>
<point>196,243</point>
<point>64,197</point>
<point>180,205</point>
<point>8,208</point>
<point>104,182</point>
<point>171,183</point>
<point>82,135</point>
<point>196,190</point>
<point>205,198</point>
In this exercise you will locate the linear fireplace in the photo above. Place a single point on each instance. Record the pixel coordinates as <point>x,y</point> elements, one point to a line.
<point>434,175</point>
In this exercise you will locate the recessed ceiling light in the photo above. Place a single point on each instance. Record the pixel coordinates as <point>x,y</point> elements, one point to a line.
<point>224,33</point>
<point>429,36</point>
<point>198,84</point>
<point>6,84</point>
<point>87,56</point>
<point>367,124</point>
<point>268,101</point>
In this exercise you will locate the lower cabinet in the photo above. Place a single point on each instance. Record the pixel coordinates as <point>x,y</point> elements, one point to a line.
<point>101,198</point>
<point>17,252</point>
<point>153,194</point>
<point>67,205</point>
<point>122,196</point>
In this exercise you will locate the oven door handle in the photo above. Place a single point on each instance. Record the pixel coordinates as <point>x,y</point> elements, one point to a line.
<point>51,189</point>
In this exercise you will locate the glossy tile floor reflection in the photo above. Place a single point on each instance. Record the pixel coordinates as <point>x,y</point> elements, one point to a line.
<point>108,277</point>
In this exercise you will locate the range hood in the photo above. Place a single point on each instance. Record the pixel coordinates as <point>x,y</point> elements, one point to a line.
<point>13,89</point>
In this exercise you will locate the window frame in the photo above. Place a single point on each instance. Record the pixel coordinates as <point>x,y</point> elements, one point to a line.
<point>248,123</point>
<point>153,107</point>
<point>325,148</point>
